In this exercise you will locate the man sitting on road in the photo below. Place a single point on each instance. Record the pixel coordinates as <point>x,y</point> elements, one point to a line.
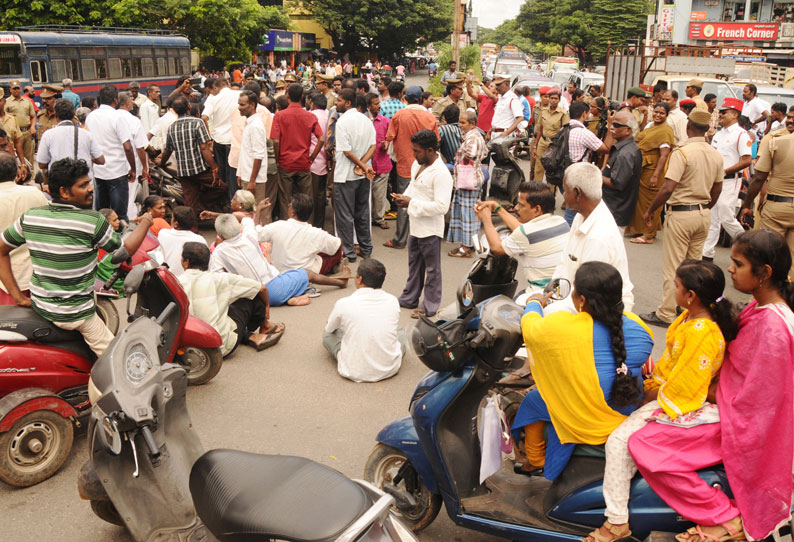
<point>299,245</point>
<point>239,253</point>
<point>172,240</point>
<point>64,237</point>
<point>362,333</point>
<point>238,307</point>
<point>539,236</point>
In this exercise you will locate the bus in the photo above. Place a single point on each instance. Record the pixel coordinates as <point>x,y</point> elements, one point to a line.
<point>93,57</point>
<point>488,48</point>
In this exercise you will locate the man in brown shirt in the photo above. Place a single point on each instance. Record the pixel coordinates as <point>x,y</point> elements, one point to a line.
<point>692,184</point>
<point>775,165</point>
<point>22,110</point>
<point>9,124</point>
<point>47,118</point>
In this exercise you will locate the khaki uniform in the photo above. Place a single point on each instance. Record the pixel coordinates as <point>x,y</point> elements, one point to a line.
<point>463,104</point>
<point>9,124</point>
<point>696,166</point>
<point>330,96</point>
<point>45,121</point>
<point>700,103</point>
<point>22,110</point>
<point>776,157</point>
<point>535,120</point>
<point>551,122</point>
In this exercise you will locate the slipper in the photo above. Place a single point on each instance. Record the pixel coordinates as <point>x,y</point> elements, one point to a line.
<point>312,292</point>
<point>382,225</point>
<point>417,313</point>
<point>520,378</point>
<point>733,533</point>
<point>460,252</point>
<point>390,244</point>
<point>642,240</point>
<point>391,215</point>
<point>272,337</point>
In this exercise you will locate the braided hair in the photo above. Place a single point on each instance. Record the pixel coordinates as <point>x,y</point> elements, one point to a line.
<point>602,287</point>
<point>708,282</point>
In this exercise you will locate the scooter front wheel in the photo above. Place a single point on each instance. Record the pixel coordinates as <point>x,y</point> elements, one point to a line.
<point>105,511</point>
<point>35,448</point>
<point>108,313</point>
<point>201,364</point>
<point>383,466</point>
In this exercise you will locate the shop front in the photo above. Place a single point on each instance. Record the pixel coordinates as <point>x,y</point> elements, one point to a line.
<point>284,46</point>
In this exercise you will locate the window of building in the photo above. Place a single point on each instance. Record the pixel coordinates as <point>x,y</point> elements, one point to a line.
<point>783,12</point>
<point>734,11</point>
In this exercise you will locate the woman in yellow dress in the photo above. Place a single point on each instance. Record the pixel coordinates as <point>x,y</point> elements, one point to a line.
<point>655,142</point>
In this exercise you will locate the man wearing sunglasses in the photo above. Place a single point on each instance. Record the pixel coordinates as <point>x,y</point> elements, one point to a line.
<point>622,171</point>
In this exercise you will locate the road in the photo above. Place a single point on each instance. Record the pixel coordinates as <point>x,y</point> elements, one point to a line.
<point>290,400</point>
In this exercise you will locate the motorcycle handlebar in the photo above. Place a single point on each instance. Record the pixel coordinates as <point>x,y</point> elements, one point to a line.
<point>478,339</point>
<point>113,278</point>
<point>148,438</point>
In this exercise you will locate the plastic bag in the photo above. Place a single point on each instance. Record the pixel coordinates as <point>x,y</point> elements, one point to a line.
<point>490,439</point>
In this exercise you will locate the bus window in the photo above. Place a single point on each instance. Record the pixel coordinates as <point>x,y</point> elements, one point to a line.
<point>114,68</point>
<point>61,69</point>
<point>38,71</point>
<point>171,66</point>
<point>101,68</point>
<point>161,66</point>
<point>147,65</point>
<point>89,69</point>
<point>126,67</point>
<point>10,62</point>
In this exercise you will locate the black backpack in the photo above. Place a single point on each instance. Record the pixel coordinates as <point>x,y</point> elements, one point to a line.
<point>557,158</point>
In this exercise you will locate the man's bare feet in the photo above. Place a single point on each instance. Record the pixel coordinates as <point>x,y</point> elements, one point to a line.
<point>299,301</point>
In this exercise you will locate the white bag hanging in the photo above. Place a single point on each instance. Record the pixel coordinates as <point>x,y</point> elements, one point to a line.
<point>490,440</point>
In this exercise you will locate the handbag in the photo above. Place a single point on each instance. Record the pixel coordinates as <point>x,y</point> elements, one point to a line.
<point>466,177</point>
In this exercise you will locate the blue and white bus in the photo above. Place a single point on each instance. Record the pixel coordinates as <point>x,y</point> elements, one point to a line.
<point>93,57</point>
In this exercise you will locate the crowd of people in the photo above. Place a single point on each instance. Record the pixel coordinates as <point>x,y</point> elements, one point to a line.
<point>294,181</point>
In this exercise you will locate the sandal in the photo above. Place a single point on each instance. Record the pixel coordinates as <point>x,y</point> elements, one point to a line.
<point>734,528</point>
<point>391,244</point>
<point>609,533</point>
<point>460,252</point>
<point>382,225</point>
<point>417,313</point>
<point>391,215</point>
<point>642,240</point>
<point>272,337</point>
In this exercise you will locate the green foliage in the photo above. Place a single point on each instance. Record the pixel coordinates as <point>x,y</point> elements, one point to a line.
<point>469,60</point>
<point>510,33</point>
<point>228,29</point>
<point>384,26</point>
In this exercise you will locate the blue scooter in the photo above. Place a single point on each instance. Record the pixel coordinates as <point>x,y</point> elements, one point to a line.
<point>433,455</point>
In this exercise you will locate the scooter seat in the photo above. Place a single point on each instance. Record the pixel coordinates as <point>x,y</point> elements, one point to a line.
<point>25,321</point>
<point>245,497</point>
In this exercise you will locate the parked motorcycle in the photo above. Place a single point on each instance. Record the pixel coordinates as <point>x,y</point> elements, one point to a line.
<point>507,174</point>
<point>163,183</point>
<point>433,456</point>
<point>149,473</point>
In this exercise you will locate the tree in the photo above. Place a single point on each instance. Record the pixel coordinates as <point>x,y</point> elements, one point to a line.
<point>385,26</point>
<point>229,29</point>
<point>618,22</point>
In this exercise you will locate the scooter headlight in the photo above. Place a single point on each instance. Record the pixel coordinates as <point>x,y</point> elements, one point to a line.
<point>156,256</point>
<point>137,363</point>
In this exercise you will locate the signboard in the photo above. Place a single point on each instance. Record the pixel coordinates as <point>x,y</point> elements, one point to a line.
<point>697,16</point>
<point>277,40</point>
<point>733,31</point>
<point>786,32</point>
<point>306,41</point>
<point>9,38</point>
<point>739,58</point>
<point>664,28</point>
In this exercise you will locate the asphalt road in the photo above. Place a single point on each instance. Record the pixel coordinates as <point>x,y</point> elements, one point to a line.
<point>290,400</point>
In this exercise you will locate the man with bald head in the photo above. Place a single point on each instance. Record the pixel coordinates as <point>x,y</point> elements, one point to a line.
<point>622,172</point>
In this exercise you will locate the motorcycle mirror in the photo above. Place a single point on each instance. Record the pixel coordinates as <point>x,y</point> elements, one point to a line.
<point>478,248</point>
<point>133,280</point>
<point>110,435</point>
<point>465,294</point>
<point>558,288</point>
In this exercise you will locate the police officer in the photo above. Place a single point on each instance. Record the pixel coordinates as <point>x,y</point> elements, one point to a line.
<point>692,90</point>
<point>542,104</point>
<point>322,83</point>
<point>454,95</point>
<point>636,98</point>
<point>22,109</point>
<point>735,146</point>
<point>290,78</point>
<point>775,165</point>
<point>691,187</point>
<point>47,118</point>
<point>551,121</point>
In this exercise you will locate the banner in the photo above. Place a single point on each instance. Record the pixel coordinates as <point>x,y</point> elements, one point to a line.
<point>277,40</point>
<point>733,31</point>
<point>664,28</point>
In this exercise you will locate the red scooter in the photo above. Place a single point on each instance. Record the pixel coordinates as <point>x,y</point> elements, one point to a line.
<point>44,373</point>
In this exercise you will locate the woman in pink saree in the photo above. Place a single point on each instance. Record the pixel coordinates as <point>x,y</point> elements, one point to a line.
<point>753,434</point>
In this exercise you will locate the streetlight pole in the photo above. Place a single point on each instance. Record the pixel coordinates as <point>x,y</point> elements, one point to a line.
<point>456,32</point>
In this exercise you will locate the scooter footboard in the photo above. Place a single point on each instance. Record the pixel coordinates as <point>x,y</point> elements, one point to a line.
<point>401,434</point>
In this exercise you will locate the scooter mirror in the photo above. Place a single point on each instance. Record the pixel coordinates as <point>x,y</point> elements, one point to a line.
<point>465,295</point>
<point>558,288</point>
<point>110,436</point>
<point>478,248</point>
<point>133,280</point>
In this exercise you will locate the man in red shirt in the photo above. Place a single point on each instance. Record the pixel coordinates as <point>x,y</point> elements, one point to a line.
<point>292,139</point>
<point>486,103</point>
<point>405,123</point>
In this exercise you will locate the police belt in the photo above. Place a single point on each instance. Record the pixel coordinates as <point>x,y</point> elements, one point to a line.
<point>779,199</point>
<point>676,208</point>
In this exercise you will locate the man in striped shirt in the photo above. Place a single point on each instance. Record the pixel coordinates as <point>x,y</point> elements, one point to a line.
<point>63,238</point>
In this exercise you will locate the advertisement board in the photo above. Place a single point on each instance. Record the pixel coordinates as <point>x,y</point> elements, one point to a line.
<point>733,31</point>
<point>277,40</point>
<point>664,28</point>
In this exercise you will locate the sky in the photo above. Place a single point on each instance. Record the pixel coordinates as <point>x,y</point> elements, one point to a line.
<point>492,13</point>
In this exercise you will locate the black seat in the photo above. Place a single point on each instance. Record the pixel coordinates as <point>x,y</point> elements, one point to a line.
<point>25,321</point>
<point>245,497</point>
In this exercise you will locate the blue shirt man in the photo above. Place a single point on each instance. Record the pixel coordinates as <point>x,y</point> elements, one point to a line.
<point>70,95</point>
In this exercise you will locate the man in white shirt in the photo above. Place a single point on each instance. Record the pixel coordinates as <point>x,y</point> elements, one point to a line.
<point>139,144</point>
<point>252,165</point>
<point>172,241</point>
<point>237,307</point>
<point>735,146</point>
<point>135,91</point>
<point>594,234</point>
<point>362,333</point>
<point>426,200</point>
<point>159,131</point>
<point>355,145</point>
<point>676,118</point>
<point>59,142</point>
<point>218,109</point>
<point>110,130</point>
<point>299,245</point>
<point>755,109</point>
<point>509,112</point>
<point>150,109</point>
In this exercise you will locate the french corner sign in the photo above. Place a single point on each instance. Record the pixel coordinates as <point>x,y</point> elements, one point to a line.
<point>733,31</point>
